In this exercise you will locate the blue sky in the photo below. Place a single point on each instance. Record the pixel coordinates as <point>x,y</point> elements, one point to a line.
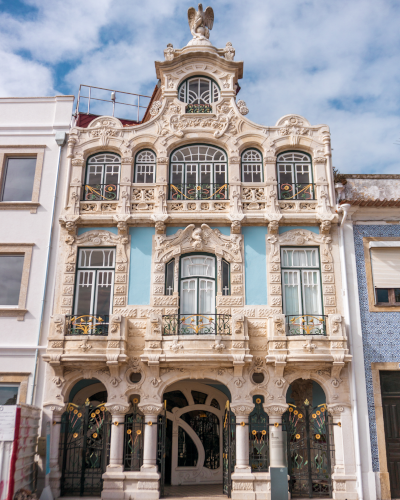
<point>333,62</point>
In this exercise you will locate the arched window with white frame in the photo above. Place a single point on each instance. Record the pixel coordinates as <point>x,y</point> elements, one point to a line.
<point>198,172</point>
<point>198,93</point>
<point>252,168</point>
<point>295,177</point>
<point>145,167</point>
<point>102,177</point>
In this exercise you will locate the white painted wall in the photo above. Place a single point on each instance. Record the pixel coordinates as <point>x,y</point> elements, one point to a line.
<point>24,122</point>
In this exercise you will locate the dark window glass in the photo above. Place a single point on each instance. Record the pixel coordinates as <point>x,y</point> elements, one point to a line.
<point>256,175</point>
<point>169,282</point>
<point>199,398</point>
<point>215,404</point>
<point>18,179</point>
<point>135,377</point>
<point>390,382</point>
<point>382,295</point>
<point>187,450</point>
<point>397,294</point>
<point>225,278</point>
<point>258,378</point>
<point>247,177</point>
<point>8,395</point>
<point>175,399</point>
<point>10,279</point>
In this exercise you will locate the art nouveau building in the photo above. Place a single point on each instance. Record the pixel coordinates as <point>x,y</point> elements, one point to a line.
<point>198,312</point>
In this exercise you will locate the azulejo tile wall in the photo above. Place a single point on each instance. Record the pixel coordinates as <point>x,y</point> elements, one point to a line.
<point>380,330</point>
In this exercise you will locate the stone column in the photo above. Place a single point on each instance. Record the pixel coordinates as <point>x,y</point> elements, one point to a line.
<point>277,448</point>
<point>117,436</point>
<point>55,414</point>
<point>242,478</point>
<point>113,486</point>
<point>344,477</point>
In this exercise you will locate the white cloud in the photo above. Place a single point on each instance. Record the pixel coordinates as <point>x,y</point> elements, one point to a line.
<point>332,62</point>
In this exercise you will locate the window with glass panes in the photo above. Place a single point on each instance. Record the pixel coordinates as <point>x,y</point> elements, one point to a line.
<point>199,90</point>
<point>198,172</point>
<point>145,167</point>
<point>19,175</point>
<point>301,282</point>
<point>251,166</point>
<point>94,282</point>
<point>295,181</point>
<point>102,177</point>
<point>197,285</point>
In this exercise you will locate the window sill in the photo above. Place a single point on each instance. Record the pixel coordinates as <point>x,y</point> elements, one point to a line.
<point>13,312</point>
<point>384,307</point>
<point>19,205</point>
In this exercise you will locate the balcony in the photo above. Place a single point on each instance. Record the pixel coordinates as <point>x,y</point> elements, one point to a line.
<point>196,324</point>
<point>204,191</point>
<point>295,191</point>
<point>100,192</point>
<point>198,108</point>
<point>305,325</point>
<point>86,325</point>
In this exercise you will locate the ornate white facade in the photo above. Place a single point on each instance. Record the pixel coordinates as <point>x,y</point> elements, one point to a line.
<point>255,339</point>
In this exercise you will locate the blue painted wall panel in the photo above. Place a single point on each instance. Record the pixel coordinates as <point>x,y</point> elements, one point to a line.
<point>284,229</point>
<point>82,230</point>
<point>255,264</point>
<point>140,265</point>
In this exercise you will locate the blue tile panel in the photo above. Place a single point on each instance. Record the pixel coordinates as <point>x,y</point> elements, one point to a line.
<point>255,264</point>
<point>140,265</point>
<point>380,330</point>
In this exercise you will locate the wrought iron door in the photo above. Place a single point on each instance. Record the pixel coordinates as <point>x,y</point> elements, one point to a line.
<point>161,438</point>
<point>84,449</point>
<point>259,437</point>
<point>310,453</point>
<point>133,439</point>
<point>229,449</point>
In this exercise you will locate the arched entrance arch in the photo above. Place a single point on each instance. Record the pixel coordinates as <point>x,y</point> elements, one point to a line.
<point>84,439</point>
<point>194,437</point>
<point>309,439</point>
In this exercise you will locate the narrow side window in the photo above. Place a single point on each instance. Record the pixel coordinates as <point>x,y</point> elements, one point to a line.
<point>169,278</point>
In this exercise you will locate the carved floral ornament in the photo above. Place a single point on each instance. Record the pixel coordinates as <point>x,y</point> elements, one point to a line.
<point>199,239</point>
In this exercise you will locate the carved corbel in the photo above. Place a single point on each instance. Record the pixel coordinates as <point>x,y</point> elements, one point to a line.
<point>70,224</point>
<point>337,365</point>
<point>242,409</point>
<point>154,328</point>
<point>238,327</point>
<point>160,227</point>
<point>273,227</point>
<point>236,227</point>
<point>122,224</point>
<point>275,410</point>
<point>118,409</point>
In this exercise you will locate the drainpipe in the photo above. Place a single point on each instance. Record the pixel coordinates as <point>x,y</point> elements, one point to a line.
<point>344,210</point>
<point>60,140</point>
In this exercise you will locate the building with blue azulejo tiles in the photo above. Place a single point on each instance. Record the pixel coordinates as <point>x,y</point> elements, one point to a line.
<point>372,248</point>
<point>198,317</point>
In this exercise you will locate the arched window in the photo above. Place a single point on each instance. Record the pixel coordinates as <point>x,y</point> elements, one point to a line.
<point>199,90</point>
<point>102,177</point>
<point>145,167</point>
<point>198,173</point>
<point>251,166</point>
<point>295,181</point>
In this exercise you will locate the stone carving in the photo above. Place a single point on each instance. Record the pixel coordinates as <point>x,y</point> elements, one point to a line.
<point>169,52</point>
<point>175,346</point>
<point>166,300</point>
<point>155,108</point>
<point>243,109</point>
<point>200,22</point>
<point>148,485</point>
<point>150,409</point>
<point>104,131</point>
<point>248,486</point>
<point>198,239</point>
<point>293,126</point>
<point>229,52</point>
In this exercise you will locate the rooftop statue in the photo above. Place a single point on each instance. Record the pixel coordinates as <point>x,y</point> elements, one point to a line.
<point>201,22</point>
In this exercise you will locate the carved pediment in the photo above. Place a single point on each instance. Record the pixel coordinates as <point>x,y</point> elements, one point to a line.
<point>200,239</point>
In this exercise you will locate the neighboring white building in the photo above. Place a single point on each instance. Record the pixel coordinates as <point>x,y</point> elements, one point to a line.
<point>32,133</point>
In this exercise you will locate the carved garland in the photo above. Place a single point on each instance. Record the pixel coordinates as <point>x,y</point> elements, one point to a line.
<point>301,238</point>
<point>96,239</point>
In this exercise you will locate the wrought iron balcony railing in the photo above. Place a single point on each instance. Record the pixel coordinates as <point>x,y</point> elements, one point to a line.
<point>198,108</point>
<point>296,191</point>
<point>305,325</point>
<point>87,324</point>
<point>196,324</point>
<point>100,192</point>
<point>205,191</point>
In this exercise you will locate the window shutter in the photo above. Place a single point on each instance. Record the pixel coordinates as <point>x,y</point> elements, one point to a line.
<point>386,267</point>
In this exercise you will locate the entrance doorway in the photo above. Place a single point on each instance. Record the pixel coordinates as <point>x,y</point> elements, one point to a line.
<point>85,440</point>
<point>390,390</point>
<point>193,434</point>
<point>309,440</point>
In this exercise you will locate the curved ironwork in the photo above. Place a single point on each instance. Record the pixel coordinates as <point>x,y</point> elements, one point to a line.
<point>259,437</point>
<point>99,192</point>
<point>296,191</point>
<point>196,324</point>
<point>305,325</point>
<point>203,191</point>
<point>84,449</point>
<point>310,452</point>
<point>87,324</point>
<point>133,439</point>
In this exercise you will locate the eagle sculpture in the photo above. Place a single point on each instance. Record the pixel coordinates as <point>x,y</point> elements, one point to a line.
<point>201,22</point>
